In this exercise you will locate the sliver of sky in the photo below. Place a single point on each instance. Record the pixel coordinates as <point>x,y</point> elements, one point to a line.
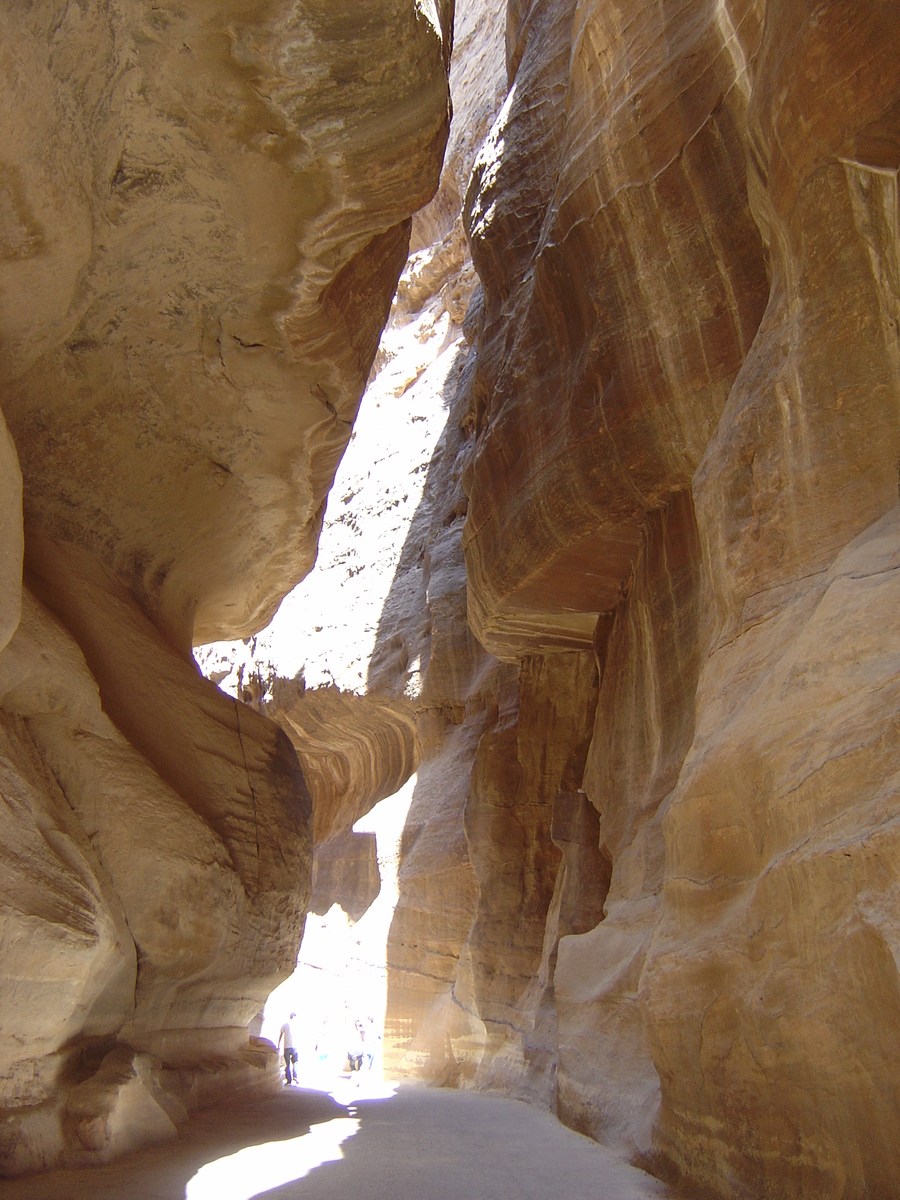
<point>259,1169</point>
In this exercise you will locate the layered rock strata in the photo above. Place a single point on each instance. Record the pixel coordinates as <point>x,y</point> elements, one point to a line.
<point>203,215</point>
<point>648,875</point>
<point>686,406</point>
<point>369,666</point>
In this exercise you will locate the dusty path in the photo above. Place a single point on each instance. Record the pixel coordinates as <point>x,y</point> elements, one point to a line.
<point>418,1144</point>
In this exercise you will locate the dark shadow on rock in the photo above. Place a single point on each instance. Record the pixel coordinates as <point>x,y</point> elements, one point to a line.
<point>163,1172</point>
<point>345,872</point>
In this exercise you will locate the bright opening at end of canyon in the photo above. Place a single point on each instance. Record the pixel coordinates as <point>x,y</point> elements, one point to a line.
<point>447,583</point>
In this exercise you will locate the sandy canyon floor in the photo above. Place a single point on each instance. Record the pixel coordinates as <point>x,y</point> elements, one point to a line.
<point>374,1143</point>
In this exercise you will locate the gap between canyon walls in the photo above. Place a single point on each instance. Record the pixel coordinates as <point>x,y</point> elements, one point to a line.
<point>650,869</point>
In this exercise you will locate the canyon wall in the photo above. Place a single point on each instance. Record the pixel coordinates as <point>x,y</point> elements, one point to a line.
<point>684,403</point>
<point>204,210</point>
<point>648,874</point>
<point>607,571</point>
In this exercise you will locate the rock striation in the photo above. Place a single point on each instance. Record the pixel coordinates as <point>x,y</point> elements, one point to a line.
<point>685,402</point>
<point>618,536</point>
<point>648,876</point>
<point>203,215</point>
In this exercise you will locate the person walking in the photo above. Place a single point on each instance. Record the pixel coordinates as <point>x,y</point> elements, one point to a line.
<point>290,1052</point>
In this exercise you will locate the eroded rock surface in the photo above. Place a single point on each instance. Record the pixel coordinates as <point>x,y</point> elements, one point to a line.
<point>620,550</point>
<point>686,405</point>
<point>199,254</point>
<point>203,214</point>
<point>666,806</point>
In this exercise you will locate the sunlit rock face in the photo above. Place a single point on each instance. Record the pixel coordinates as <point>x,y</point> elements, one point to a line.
<point>686,406</point>
<point>204,210</point>
<point>369,666</point>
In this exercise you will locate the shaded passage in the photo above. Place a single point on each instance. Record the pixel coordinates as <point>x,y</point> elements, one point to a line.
<point>421,1143</point>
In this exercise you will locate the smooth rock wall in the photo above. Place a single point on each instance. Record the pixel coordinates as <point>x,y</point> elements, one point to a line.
<point>780,832</point>
<point>624,277</point>
<point>650,653</point>
<point>686,405</point>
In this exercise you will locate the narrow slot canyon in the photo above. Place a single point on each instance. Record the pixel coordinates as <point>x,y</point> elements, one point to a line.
<point>450,533</point>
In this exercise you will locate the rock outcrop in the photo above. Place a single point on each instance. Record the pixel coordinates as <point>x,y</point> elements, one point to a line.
<point>203,215</point>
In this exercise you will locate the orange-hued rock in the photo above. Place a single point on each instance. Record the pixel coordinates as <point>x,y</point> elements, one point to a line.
<point>648,875</point>
<point>650,655</point>
<point>781,865</point>
<point>686,402</point>
<point>432,1029</point>
<point>355,750</point>
<point>624,279</point>
<point>523,762</point>
<point>777,929</point>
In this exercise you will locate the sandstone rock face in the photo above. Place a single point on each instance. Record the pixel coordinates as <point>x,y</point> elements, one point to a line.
<point>369,666</point>
<point>345,872</point>
<point>648,875</point>
<point>203,215</point>
<point>156,857</point>
<point>608,202</point>
<point>199,254</point>
<point>686,406</point>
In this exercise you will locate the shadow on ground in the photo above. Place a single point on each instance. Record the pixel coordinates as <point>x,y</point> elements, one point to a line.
<point>164,1172</point>
<point>435,1144</point>
<point>420,1144</point>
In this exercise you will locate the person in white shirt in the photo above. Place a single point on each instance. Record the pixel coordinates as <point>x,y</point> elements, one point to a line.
<point>290,1053</point>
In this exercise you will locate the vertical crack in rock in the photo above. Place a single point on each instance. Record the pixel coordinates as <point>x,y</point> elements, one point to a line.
<point>237,717</point>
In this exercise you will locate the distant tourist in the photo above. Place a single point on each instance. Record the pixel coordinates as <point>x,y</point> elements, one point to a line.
<point>367,1033</point>
<point>357,1053</point>
<point>290,1053</point>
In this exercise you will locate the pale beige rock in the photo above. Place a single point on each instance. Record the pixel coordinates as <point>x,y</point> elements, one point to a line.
<point>115,1110</point>
<point>203,214</point>
<point>69,959</point>
<point>197,257</point>
<point>154,870</point>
